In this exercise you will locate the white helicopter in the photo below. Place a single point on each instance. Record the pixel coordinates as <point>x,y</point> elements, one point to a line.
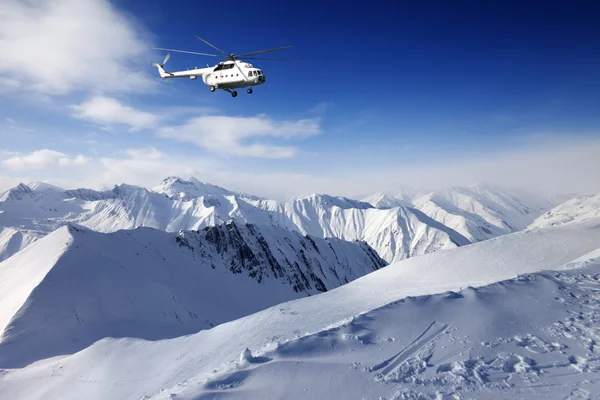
<point>226,75</point>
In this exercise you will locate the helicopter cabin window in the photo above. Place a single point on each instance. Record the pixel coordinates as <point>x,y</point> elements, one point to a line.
<point>223,66</point>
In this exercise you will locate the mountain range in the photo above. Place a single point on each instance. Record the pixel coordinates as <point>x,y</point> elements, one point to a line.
<point>395,227</point>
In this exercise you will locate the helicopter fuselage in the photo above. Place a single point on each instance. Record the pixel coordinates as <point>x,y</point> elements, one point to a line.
<point>225,75</point>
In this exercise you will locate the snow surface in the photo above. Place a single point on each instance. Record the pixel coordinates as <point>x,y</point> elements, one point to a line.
<point>435,326</point>
<point>76,286</point>
<point>578,209</point>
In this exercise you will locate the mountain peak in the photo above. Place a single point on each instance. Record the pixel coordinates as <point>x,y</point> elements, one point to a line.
<point>176,187</point>
<point>38,186</point>
<point>19,192</point>
<point>338,201</point>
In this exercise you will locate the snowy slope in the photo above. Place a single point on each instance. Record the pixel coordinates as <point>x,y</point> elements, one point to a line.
<point>581,208</point>
<point>76,286</point>
<point>425,324</point>
<point>176,204</point>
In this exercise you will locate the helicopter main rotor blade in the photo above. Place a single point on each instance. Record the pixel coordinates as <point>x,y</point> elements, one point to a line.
<point>271,59</point>
<point>214,47</point>
<point>184,51</point>
<point>262,51</point>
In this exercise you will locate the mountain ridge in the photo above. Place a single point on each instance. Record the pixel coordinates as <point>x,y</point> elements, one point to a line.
<point>153,284</point>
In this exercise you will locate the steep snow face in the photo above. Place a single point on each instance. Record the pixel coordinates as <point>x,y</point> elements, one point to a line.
<point>85,285</point>
<point>22,273</point>
<point>579,209</point>
<point>420,328</point>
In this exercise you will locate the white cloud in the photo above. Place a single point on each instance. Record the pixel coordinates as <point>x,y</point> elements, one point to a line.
<point>106,110</point>
<point>56,46</point>
<point>8,182</point>
<point>42,159</point>
<point>225,134</point>
<point>554,166</point>
<point>147,167</point>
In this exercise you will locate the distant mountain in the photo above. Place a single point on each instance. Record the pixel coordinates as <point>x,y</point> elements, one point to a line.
<point>13,240</point>
<point>478,212</point>
<point>176,204</point>
<point>76,285</point>
<point>180,189</point>
<point>579,209</point>
<point>383,200</point>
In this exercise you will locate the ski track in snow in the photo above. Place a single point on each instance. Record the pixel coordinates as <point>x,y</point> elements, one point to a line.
<point>424,339</point>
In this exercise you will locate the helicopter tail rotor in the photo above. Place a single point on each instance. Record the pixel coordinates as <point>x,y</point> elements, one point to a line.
<point>163,74</point>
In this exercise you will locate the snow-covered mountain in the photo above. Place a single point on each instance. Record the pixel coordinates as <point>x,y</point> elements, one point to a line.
<point>580,208</point>
<point>174,205</point>
<point>14,240</point>
<point>76,286</point>
<point>478,212</point>
<point>470,322</point>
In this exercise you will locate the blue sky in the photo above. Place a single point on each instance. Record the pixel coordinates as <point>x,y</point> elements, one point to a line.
<point>391,93</point>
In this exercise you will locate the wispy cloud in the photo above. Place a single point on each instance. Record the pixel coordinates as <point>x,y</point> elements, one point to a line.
<point>563,166</point>
<point>58,46</point>
<point>230,135</point>
<point>109,111</point>
<point>148,166</point>
<point>217,133</point>
<point>42,159</point>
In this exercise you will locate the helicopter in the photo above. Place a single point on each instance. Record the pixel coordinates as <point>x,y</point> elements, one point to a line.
<point>227,75</point>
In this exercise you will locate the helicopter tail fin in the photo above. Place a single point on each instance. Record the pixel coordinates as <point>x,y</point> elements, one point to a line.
<point>163,74</point>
